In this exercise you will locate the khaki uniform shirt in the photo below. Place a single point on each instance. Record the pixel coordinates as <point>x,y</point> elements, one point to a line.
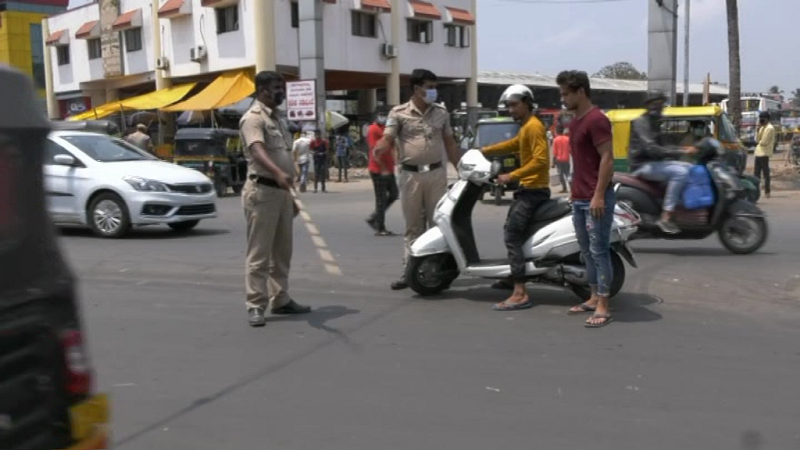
<point>419,136</point>
<point>261,124</point>
<point>140,140</point>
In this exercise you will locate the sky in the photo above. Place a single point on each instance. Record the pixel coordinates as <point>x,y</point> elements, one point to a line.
<point>547,36</point>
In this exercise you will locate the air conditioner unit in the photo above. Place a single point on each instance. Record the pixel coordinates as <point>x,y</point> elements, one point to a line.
<point>162,63</point>
<point>197,53</point>
<point>389,51</point>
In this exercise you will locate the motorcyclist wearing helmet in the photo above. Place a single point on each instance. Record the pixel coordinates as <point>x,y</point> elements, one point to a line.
<point>765,145</point>
<point>534,185</point>
<point>652,160</point>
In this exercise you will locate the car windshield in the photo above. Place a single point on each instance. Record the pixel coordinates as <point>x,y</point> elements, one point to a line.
<point>108,149</point>
<point>492,133</point>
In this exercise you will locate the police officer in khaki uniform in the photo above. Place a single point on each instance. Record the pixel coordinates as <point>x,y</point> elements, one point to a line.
<point>268,202</point>
<point>421,132</point>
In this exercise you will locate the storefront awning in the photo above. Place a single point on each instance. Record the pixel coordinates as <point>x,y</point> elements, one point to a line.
<point>378,6</point>
<point>457,15</point>
<point>423,10</point>
<point>128,20</point>
<point>89,30</point>
<point>153,100</point>
<point>60,37</point>
<point>227,89</point>
<point>175,8</point>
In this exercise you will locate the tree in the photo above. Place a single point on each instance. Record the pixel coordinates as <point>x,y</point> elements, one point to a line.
<point>734,65</point>
<point>796,99</point>
<point>621,71</point>
<point>775,90</point>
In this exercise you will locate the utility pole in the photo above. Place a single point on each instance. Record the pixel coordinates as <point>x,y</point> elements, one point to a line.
<point>312,53</point>
<point>686,58</point>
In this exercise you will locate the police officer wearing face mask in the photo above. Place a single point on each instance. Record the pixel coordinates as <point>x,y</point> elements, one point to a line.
<point>268,202</point>
<point>420,130</point>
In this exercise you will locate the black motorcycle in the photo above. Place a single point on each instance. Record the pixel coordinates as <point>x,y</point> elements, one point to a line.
<point>740,224</point>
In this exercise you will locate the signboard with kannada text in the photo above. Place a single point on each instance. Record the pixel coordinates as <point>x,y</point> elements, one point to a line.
<point>301,100</point>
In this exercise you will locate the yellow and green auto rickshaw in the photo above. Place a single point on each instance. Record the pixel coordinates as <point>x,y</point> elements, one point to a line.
<point>684,126</point>
<point>215,152</point>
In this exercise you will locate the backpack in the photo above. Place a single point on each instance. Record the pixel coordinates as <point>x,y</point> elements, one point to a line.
<point>699,192</point>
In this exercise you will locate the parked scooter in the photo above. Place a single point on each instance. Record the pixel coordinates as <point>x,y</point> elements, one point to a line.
<point>552,252</point>
<point>740,224</point>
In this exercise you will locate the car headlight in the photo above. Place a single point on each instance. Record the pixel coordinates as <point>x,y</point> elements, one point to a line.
<point>145,185</point>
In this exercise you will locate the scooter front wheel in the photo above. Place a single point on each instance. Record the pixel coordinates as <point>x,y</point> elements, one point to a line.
<point>618,271</point>
<point>743,235</point>
<point>431,274</point>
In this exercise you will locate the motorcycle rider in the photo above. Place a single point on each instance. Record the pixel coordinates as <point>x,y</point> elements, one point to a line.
<point>652,160</point>
<point>534,180</point>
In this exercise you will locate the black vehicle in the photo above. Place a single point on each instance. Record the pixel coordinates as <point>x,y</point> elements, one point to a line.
<point>47,400</point>
<point>740,224</point>
<point>216,153</point>
<point>491,131</point>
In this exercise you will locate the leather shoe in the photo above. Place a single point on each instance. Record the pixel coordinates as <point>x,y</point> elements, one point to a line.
<point>292,308</point>
<point>255,317</point>
<point>400,284</point>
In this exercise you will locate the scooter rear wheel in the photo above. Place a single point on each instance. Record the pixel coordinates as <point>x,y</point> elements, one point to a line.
<point>431,274</point>
<point>617,268</point>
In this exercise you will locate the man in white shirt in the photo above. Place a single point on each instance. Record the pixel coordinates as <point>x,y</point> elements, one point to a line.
<point>302,157</point>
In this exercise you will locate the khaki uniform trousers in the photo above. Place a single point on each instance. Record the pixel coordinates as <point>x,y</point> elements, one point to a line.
<point>269,213</point>
<point>419,194</point>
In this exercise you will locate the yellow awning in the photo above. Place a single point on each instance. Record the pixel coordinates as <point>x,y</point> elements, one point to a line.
<point>153,100</point>
<point>227,89</point>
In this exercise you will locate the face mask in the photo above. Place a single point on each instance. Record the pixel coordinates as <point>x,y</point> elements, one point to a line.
<point>278,98</point>
<point>654,113</point>
<point>381,120</point>
<point>430,96</point>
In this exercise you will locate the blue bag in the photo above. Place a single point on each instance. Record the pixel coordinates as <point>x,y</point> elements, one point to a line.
<point>699,192</point>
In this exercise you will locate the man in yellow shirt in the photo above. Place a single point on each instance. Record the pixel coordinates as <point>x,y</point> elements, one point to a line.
<point>765,137</point>
<point>534,180</point>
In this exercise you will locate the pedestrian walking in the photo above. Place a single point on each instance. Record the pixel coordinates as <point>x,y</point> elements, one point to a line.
<point>561,157</point>
<point>420,131</point>
<point>383,181</point>
<point>319,149</point>
<point>343,145</point>
<point>141,139</point>
<point>269,206</point>
<point>302,157</point>
<point>593,197</point>
<point>765,147</point>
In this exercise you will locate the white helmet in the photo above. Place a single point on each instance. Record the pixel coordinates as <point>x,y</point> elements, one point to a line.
<point>518,92</point>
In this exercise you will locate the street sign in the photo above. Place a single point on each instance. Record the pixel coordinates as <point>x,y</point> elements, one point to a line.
<point>301,100</point>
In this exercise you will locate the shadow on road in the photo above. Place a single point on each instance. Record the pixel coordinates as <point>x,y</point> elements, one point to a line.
<point>318,318</point>
<point>149,233</point>
<point>689,251</point>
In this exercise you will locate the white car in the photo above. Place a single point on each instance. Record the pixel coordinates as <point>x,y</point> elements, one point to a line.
<point>109,185</point>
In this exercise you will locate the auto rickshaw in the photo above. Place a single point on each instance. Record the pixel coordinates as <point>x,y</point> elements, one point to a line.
<point>215,152</point>
<point>677,126</point>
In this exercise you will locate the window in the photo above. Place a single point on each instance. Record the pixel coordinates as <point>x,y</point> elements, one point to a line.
<point>295,14</point>
<point>107,149</point>
<point>364,24</point>
<point>95,48</point>
<point>457,36</point>
<point>227,19</point>
<point>62,54</point>
<point>37,55</point>
<point>51,149</point>
<point>420,31</point>
<point>133,40</point>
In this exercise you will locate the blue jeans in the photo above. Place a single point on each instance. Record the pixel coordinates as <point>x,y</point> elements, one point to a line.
<point>304,173</point>
<point>675,173</point>
<point>594,239</point>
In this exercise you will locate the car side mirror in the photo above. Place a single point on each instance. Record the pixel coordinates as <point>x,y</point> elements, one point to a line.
<point>64,160</point>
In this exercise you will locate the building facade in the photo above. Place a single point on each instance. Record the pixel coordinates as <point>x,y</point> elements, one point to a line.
<point>21,35</point>
<point>110,49</point>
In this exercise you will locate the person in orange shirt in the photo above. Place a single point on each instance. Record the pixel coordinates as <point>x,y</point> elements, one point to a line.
<point>561,157</point>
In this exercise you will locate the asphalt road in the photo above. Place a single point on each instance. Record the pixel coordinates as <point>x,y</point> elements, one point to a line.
<point>703,354</point>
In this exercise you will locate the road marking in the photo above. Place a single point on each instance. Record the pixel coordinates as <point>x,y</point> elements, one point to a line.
<point>322,247</point>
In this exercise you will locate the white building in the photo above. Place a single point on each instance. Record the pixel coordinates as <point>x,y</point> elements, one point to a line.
<point>110,50</point>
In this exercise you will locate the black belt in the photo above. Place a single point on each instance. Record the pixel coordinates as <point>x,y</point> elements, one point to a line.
<point>422,168</point>
<point>267,182</point>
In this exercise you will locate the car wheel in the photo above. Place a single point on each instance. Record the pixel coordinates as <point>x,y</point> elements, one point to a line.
<point>108,216</point>
<point>184,226</point>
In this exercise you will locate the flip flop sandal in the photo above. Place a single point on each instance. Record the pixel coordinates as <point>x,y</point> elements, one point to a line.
<point>601,324</point>
<point>512,307</point>
<point>584,308</point>
<point>385,233</point>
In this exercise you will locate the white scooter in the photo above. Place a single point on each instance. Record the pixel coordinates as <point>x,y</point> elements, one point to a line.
<point>552,253</point>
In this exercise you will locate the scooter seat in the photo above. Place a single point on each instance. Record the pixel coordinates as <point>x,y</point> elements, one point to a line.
<point>654,188</point>
<point>552,209</point>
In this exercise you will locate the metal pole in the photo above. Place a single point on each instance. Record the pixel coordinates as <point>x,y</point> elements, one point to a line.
<point>686,58</point>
